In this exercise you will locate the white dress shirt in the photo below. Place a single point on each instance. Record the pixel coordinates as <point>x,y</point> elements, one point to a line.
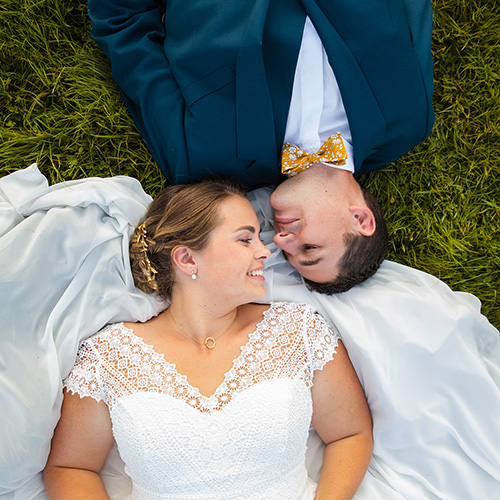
<point>316,108</point>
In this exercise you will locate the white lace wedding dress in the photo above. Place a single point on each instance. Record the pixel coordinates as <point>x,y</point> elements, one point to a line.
<point>427,358</point>
<point>246,441</point>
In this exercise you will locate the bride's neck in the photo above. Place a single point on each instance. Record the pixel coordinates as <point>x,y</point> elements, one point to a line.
<point>200,319</point>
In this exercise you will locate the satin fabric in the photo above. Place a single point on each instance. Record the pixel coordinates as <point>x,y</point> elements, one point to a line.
<point>428,360</point>
<point>64,273</point>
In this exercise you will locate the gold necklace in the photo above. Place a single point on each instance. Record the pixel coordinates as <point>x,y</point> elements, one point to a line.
<point>209,342</point>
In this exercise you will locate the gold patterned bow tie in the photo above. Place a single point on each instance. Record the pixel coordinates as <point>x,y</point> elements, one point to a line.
<point>295,160</point>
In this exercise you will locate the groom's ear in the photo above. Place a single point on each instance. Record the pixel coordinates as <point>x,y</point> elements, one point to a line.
<point>363,220</point>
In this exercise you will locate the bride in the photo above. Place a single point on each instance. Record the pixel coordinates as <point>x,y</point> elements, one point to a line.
<point>213,398</point>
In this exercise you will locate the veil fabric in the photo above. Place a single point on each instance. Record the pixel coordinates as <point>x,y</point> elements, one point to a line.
<point>428,360</point>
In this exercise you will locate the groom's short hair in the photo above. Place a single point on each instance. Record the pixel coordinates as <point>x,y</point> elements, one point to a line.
<point>363,254</point>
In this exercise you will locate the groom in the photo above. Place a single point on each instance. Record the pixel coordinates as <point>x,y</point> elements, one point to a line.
<point>312,211</point>
<point>227,88</point>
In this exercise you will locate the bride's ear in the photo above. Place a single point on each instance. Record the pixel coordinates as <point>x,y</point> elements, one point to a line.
<point>184,260</point>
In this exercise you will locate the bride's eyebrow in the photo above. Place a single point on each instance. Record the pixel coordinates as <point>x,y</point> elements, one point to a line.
<point>246,228</point>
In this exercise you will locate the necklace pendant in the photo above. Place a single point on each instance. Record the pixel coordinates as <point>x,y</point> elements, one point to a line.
<point>210,342</point>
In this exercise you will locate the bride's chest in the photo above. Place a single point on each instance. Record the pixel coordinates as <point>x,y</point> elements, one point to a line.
<point>261,429</point>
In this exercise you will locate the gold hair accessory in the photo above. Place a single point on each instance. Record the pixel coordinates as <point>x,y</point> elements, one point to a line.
<point>149,270</point>
<point>295,160</point>
<point>209,342</point>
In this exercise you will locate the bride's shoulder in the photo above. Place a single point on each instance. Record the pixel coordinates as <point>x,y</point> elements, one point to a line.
<point>107,336</point>
<point>290,308</point>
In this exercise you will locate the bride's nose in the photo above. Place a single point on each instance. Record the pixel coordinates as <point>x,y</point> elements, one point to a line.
<point>262,252</point>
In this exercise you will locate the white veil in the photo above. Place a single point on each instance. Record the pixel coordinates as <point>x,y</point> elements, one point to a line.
<point>428,360</point>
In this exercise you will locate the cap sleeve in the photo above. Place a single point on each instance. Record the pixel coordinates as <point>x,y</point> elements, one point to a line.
<point>84,379</point>
<point>322,340</point>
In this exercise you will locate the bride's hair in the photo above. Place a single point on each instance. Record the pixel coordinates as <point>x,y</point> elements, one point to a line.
<point>182,215</point>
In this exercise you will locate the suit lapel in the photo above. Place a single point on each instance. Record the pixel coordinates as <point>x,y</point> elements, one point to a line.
<point>366,120</point>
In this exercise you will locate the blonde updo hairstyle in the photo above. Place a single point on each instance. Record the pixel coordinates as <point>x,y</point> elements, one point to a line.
<point>182,215</point>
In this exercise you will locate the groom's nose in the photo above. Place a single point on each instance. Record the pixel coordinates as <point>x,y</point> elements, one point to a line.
<point>286,241</point>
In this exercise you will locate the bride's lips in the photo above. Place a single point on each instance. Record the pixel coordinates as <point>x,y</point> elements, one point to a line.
<point>256,273</point>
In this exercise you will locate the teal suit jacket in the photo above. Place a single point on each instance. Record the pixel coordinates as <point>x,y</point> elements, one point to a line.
<point>209,82</point>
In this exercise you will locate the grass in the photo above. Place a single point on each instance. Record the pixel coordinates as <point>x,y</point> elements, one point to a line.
<point>59,107</point>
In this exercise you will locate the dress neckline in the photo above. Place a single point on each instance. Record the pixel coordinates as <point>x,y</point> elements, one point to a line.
<point>221,395</point>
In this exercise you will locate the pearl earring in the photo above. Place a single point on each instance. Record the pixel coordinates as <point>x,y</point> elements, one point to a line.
<point>193,275</point>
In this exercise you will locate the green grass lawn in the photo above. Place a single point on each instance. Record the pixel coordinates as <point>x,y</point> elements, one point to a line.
<point>59,107</point>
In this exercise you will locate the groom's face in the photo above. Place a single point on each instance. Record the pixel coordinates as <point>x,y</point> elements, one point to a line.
<point>310,223</point>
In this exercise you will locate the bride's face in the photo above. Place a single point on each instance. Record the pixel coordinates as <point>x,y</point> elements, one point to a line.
<point>231,265</point>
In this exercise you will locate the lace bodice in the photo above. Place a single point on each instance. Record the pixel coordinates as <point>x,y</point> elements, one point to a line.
<point>246,441</point>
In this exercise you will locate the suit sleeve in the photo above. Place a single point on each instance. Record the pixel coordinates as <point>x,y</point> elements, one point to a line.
<point>131,33</point>
<point>419,15</point>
